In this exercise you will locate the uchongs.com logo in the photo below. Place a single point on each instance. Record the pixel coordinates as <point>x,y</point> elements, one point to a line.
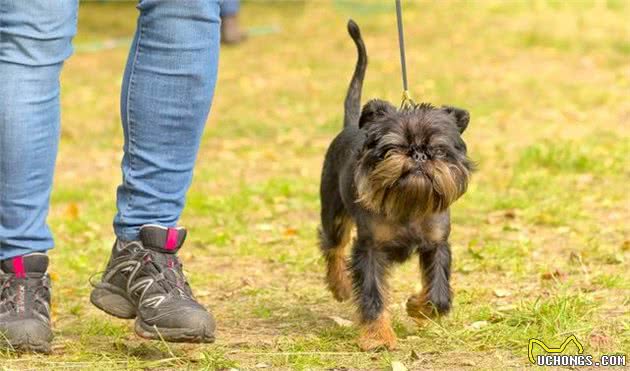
<point>555,356</point>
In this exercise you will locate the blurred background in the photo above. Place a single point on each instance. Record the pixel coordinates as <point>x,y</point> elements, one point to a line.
<point>541,240</point>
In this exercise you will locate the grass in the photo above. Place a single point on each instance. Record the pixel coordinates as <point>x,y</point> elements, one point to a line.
<point>541,240</point>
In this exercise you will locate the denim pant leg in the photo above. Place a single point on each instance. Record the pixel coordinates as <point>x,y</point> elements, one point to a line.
<point>166,95</point>
<point>230,7</point>
<point>35,39</point>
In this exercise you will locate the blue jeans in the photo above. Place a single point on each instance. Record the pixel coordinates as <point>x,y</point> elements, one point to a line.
<point>230,7</point>
<point>167,91</point>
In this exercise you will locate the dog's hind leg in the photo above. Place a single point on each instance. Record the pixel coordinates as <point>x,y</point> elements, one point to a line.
<point>334,235</point>
<point>369,273</point>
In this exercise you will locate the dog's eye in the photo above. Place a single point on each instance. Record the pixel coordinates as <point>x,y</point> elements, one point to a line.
<point>438,152</point>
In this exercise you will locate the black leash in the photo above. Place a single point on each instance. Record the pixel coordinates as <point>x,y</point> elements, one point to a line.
<point>406,98</point>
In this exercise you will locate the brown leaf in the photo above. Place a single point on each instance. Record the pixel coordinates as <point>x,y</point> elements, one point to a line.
<point>290,232</point>
<point>599,340</point>
<point>72,211</point>
<point>501,216</point>
<point>556,274</point>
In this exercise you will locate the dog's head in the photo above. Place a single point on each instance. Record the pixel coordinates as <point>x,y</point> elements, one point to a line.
<point>413,161</point>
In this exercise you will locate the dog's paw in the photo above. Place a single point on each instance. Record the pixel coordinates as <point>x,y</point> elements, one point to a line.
<point>338,280</point>
<point>370,339</point>
<point>342,289</point>
<point>419,308</point>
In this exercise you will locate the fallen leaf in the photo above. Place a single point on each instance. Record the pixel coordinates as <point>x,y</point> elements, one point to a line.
<point>290,232</point>
<point>510,214</point>
<point>599,340</point>
<point>501,293</point>
<point>398,366</point>
<point>556,274</point>
<point>563,230</point>
<point>478,325</point>
<point>72,211</point>
<point>341,321</point>
<point>500,216</point>
<point>264,227</point>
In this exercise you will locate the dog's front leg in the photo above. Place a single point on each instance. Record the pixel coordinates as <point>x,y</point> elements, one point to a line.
<point>435,298</point>
<point>369,274</point>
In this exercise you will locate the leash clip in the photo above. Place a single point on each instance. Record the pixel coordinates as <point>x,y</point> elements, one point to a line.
<point>407,102</point>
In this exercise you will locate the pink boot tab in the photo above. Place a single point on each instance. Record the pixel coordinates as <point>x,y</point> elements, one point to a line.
<point>18,267</point>
<point>171,239</point>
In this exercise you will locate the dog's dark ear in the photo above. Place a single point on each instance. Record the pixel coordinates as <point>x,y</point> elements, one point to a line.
<point>374,109</point>
<point>462,117</point>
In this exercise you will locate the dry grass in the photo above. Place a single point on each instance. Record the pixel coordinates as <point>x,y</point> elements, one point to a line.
<point>541,240</point>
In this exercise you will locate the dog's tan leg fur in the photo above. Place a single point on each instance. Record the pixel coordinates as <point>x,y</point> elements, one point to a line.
<point>378,333</point>
<point>419,308</point>
<point>337,276</point>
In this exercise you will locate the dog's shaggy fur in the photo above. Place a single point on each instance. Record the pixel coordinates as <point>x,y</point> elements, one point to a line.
<point>394,174</point>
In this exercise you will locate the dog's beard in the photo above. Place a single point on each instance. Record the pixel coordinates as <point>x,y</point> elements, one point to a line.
<point>400,190</point>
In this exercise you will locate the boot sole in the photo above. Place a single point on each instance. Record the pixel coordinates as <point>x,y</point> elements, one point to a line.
<point>173,335</point>
<point>43,348</point>
<point>28,343</point>
<point>111,300</point>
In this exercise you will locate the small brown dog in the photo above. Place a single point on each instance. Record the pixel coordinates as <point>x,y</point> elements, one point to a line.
<point>393,173</point>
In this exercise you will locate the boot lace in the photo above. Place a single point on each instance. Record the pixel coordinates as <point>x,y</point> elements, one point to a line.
<point>166,270</point>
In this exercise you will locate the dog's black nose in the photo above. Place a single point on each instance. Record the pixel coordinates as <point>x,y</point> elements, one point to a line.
<point>419,156</point>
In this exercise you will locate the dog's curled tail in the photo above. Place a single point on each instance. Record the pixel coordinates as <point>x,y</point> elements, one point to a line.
<point>353,97</point>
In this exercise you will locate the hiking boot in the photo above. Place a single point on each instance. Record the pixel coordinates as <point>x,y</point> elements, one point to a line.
<point>231,32</point>
<point>144,280</point>
<point>25,304</point>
